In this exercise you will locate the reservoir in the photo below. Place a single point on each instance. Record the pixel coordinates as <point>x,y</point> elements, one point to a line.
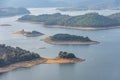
<point>102,60</point>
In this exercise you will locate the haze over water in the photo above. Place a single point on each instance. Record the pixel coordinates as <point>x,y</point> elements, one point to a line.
<point>102,60</point>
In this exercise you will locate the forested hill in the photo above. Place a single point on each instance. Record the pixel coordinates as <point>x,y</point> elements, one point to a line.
<point>87,20</point>
<point>10,55</point>
<point>115,16</point>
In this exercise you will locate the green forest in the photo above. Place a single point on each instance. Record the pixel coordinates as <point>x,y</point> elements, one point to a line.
<point>68,37</point>
<point>10,55</point>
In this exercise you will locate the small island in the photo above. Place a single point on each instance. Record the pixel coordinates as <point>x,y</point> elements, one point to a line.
<point>5,25</point>
<point>10,11</point>
<point>64,58</point>
<point>68,39</point>
<point>29,34</point>
<point>12,58</point>
<point>89,21</point>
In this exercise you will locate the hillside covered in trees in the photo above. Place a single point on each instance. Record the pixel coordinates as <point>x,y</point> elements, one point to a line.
<point>10,55</point>
<point>115,16</point>
<point>88,20</point>
<point>5,12</point>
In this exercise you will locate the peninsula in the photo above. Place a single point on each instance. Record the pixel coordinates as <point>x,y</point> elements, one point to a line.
<point>29,34</point>
<point>10,11</point>
<point>68,39</point>
<point>12,58</point>
<point>89,21</point>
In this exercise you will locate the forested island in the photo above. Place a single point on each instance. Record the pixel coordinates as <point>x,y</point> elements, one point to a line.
<point>87,21</point>
<point>68,39</point>
<point>29,34</point>
<point>14,57</point>
<point>10,11</point>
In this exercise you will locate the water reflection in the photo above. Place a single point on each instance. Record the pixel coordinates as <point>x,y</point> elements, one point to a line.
<point>67,70</point>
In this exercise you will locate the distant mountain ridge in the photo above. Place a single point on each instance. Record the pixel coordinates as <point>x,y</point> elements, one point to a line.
<point>7,12</point>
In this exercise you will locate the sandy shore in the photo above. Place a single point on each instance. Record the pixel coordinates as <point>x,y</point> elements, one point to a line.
<point>63,61</point>
<point>71,27</point>
<point>22,65</point>
<point>81,28</point>
<point>27,64</point>
<point>48,40</point>
<point>17,32</point>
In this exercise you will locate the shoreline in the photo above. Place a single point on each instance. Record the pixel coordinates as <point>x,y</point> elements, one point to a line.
<point>49,41</point>
<point>32,63</point>
<point>81,28</point>
<point>69,27</point>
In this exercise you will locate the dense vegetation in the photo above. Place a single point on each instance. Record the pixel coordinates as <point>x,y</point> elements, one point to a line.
<point>115,16</point>
<point>87,20</point>
<point>66,55</point>
<point>68,37</point>
<point>4,12</point>
<point>10,55</point>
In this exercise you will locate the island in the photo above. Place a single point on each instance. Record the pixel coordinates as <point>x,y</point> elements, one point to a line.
<point>89,21</point>
<point>29,34</point>
<point>68,39</point>
<point>64,58</point>
<point>10,11</point>
<point>5,25</point>
<point>12,58</point>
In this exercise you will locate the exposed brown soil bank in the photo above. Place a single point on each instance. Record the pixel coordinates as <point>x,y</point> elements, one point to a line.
<point>48,40</point>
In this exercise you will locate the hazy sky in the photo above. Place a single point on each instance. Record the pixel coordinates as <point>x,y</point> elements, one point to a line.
<point>55,3</point>
<point>42,2</point>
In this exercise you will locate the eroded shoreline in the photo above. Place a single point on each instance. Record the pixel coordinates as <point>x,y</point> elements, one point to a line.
<point>81,28</point>
<point>70,27</point>
<point>32,63</point>
<point>49,41</point>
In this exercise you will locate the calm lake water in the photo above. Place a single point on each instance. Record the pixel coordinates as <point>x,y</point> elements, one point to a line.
<point>102,60</point>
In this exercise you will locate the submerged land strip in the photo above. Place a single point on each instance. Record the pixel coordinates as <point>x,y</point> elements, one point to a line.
<point>27,64</point>
<point>5,25</point>
<point>12,58</point>
<point>29,34</point>
<point>80,27</point>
